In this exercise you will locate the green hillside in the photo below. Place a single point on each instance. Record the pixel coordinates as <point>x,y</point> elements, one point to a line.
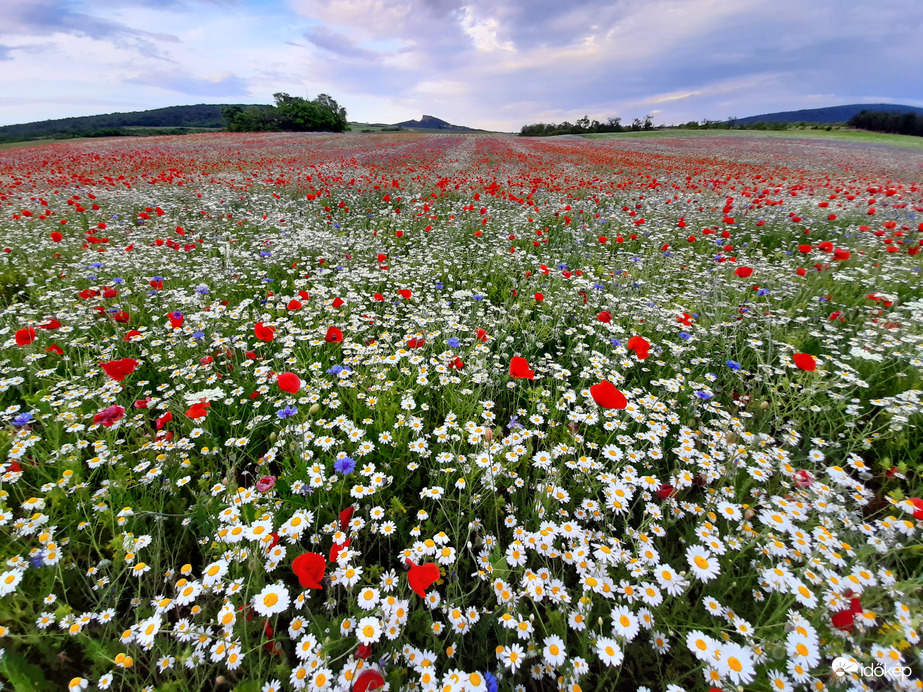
<point>170,120</point>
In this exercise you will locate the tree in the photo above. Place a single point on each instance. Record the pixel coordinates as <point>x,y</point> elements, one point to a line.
<point>290,114</point>
<point>648,122</point>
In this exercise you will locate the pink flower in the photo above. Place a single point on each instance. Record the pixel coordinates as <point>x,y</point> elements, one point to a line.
<point>265,483</point>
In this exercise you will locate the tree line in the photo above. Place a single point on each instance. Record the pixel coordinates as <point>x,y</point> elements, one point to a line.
<point>289,114</point>
<point>586,126</point>
<point>890,122</point>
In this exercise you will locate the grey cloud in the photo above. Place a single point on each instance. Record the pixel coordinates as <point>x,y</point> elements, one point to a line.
<point>337,43</point>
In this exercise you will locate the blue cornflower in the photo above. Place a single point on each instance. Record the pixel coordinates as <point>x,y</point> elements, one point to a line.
<point>685,336</point>
<point>562,266</point>
<point>96,265</point>
<point>478,297</point>
<point>22,419</point>
<point>202,290</point>
<point>287,412</point>
<point>198,335</point>
<point>514,423</point>
<point>762,292</point>
<point>37,558</point>
<point>615,342</point>
<point>439,285</point>
<point>733,365</point>
<point>176,315</point>
<point>492,683</point>
<point>265,253</point>
<point>157,278</point>
<point>118,280</point>
<point>598,287</point>
<point>345,465</point>
<point>703,395</point>
<point>454,342</point>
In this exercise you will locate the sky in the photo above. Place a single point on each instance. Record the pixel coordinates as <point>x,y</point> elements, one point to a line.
<point>492,64</point>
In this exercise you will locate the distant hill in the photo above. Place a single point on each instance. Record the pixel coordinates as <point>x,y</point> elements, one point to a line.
<point>183,118</point>
<point>831,114</point>
<point>429,122</point>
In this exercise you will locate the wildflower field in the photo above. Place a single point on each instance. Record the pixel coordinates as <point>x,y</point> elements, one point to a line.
<point>414,412</point>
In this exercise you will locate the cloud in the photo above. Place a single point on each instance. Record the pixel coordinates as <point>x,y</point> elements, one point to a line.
<point>484,32</point>
<point>339,44</point>
<point>485,63</point>
<point>229,85</point>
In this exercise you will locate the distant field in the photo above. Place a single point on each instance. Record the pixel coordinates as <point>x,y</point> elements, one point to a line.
<point>905,141</point>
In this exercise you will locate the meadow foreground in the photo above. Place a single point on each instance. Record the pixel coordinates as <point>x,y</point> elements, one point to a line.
<point>286,412</point>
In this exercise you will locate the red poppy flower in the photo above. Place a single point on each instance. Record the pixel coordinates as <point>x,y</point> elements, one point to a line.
<point>743,272</point>
<point>378,297</point>
<point>918,503</point>
<point>294,305</point>
<point>421,577</point>
<point>404,293</point>
<point>416,342</point>
<point>110,415</point>
<point>337,302</point>
<point>456,363</point>
<point>606,395</point>
<point>805,361</point>
<point>338,548</point>
<point>56,237</point>
<point>54,348</point>
<point>198,410</point>
<point>640,346</point>
<point>345,516</point>
<point>604,317</point>
<point>666,491</point>
<point>841,254</point>
<point>176,320</point>
<point>333,336</point>
<point>481,335</point>
<point>309,568</point>
<point>368,679</point>
<point>289,382</point>
<point>843,620</point>
<point>25,336</point>
<point>264,332</point>
<point>805,249</point>
<point>539,297</point>
<point>118,369</point>
<point>519,367</point>
<point>164,419</point>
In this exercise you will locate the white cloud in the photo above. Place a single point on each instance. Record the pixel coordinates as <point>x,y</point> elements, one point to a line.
<point>484,33</point>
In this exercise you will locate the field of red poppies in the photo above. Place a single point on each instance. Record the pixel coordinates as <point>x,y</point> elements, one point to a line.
<point>413,412</point>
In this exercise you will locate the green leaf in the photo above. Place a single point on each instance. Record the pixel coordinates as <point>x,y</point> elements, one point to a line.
<point>25,676</point>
